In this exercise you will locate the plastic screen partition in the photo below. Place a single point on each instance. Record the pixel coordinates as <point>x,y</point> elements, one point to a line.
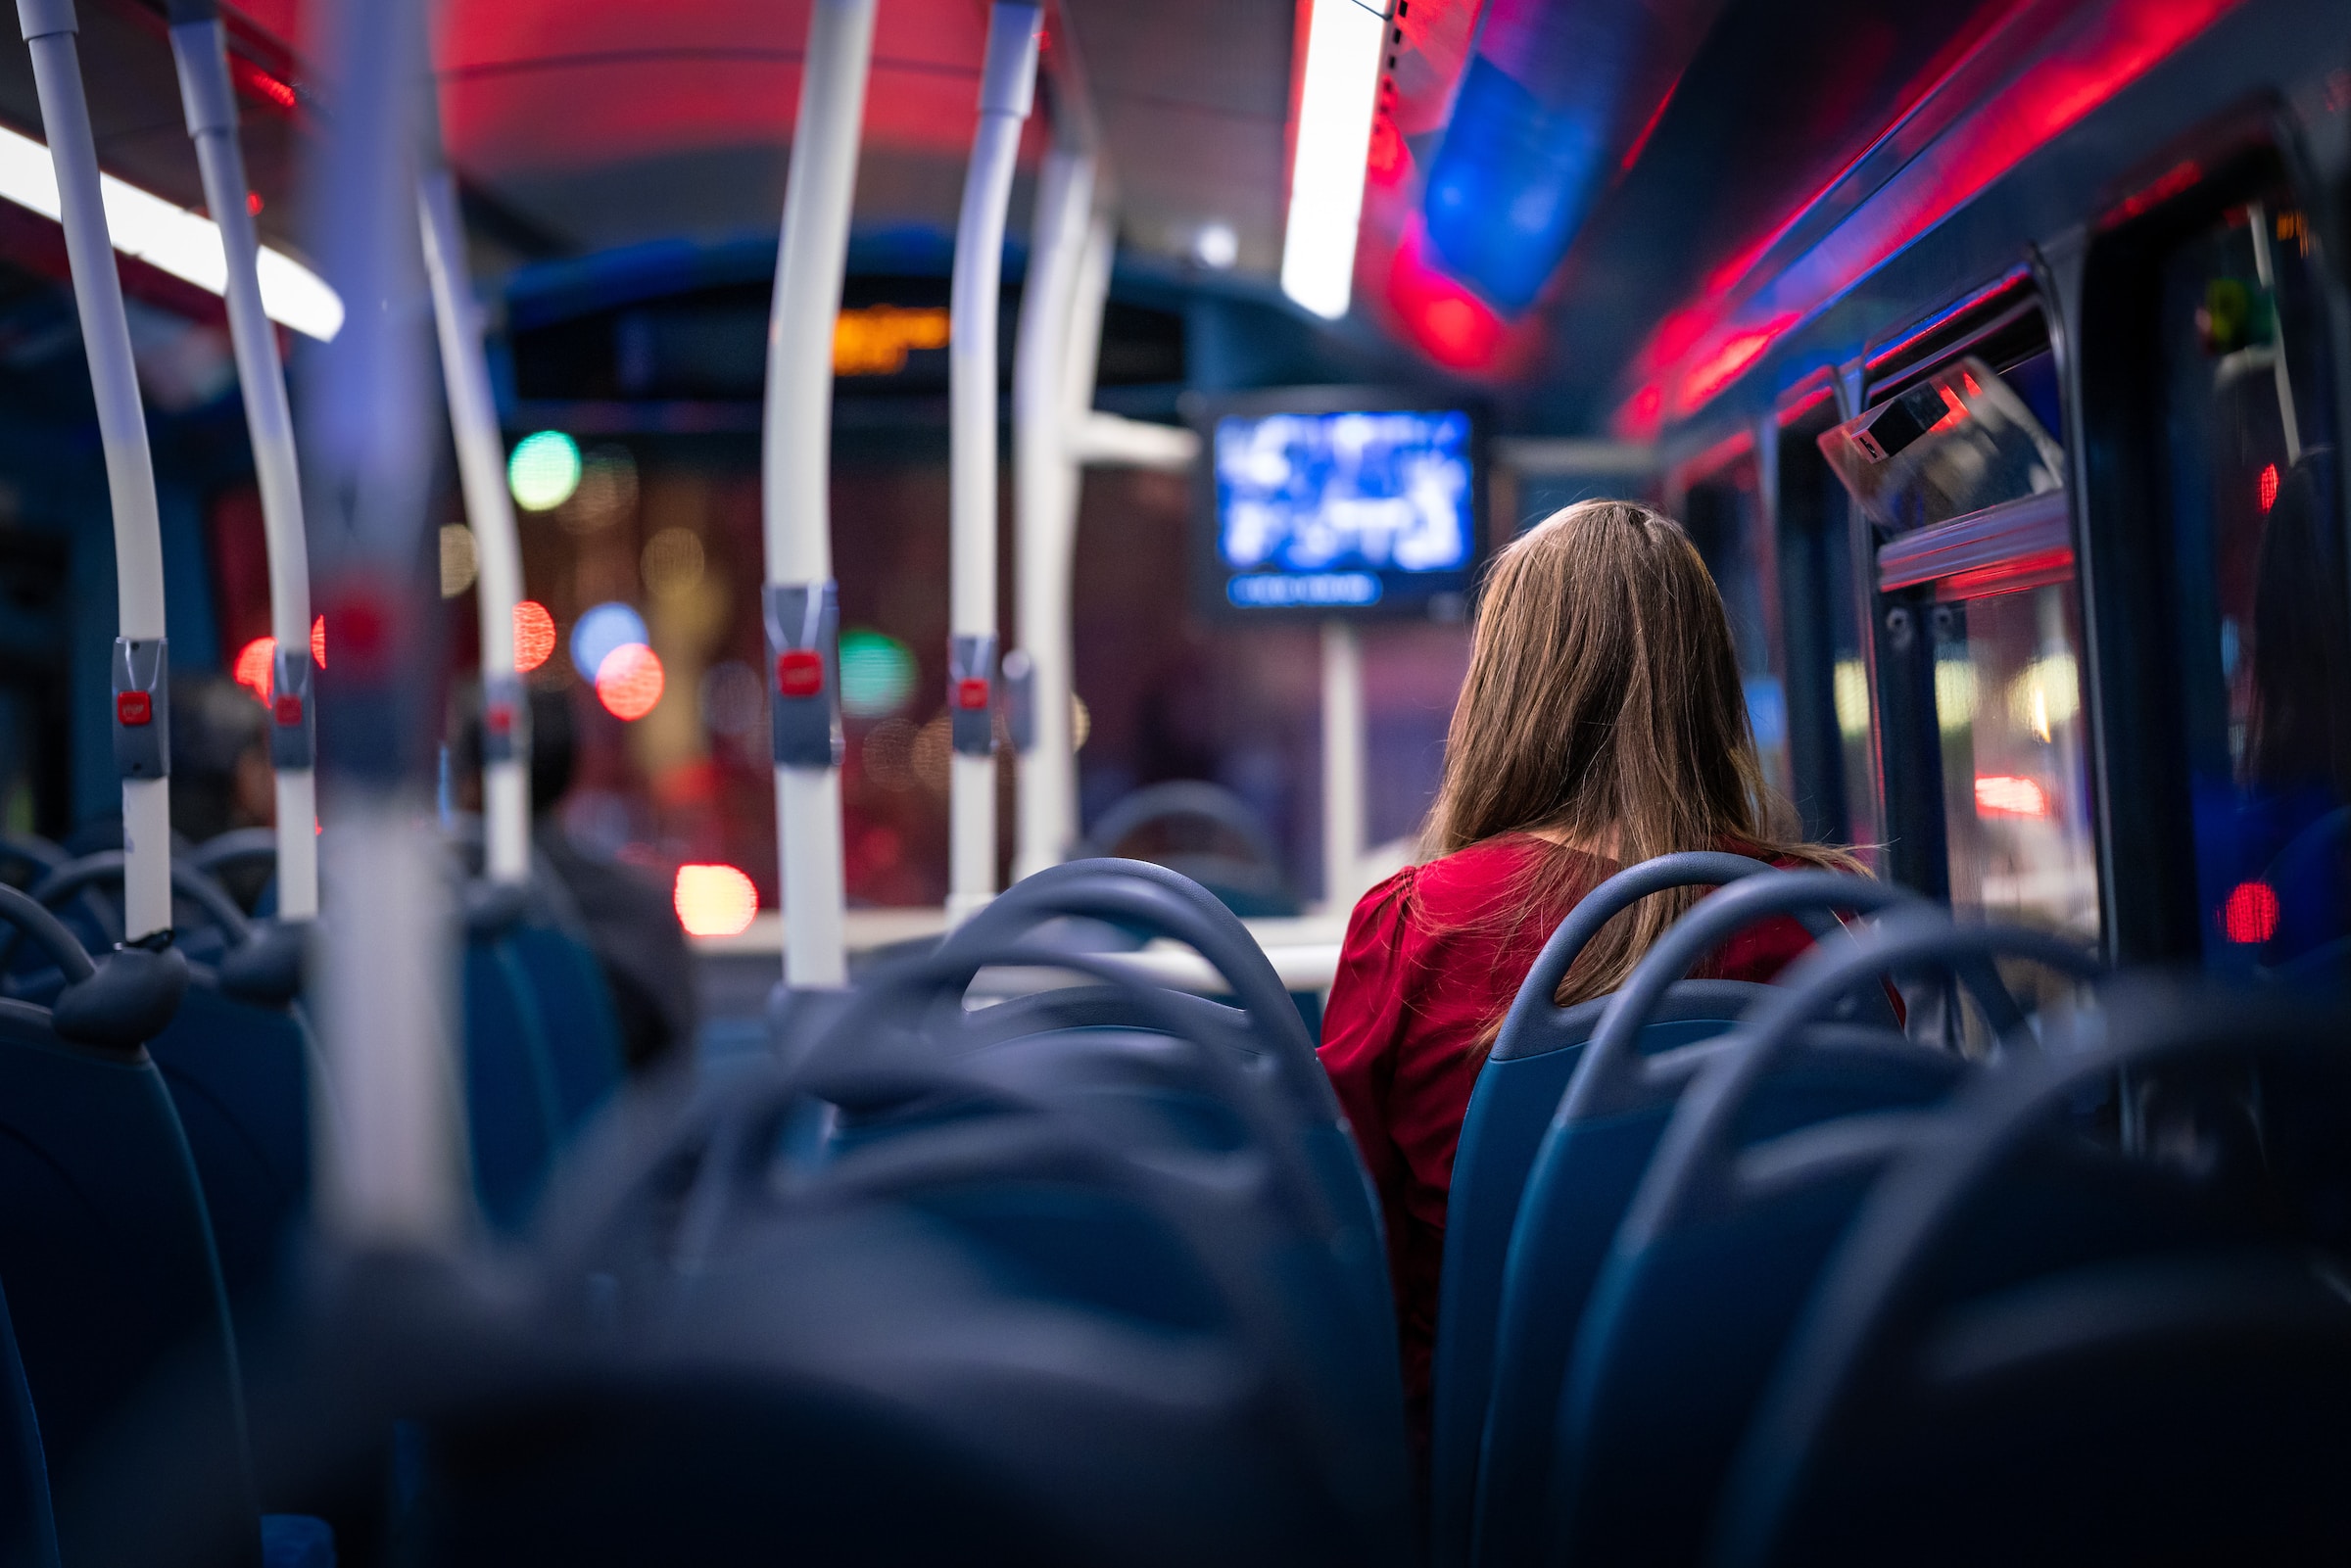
<point>1345,501</point>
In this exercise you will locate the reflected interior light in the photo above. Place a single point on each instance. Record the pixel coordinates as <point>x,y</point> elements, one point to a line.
<point>256,668</point>
<point>629,683</point>
<point>172,239</point>
<point>877,674</point>
<point>458,560</point>
<point>1336,95</point>
<point>1081,722</point>
<point>543,471</point>
<point>534,635</point>
<point>1851,695</point>
<point>600,631</point>
<point>714,900</point>
<point>2004,794</point>
<point>2251,915</point>
<point>2269,491</point>
<point>1954,692</point>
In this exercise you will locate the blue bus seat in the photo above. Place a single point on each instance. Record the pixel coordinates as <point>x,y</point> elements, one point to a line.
<point>1722,1244</point>
<point>28,1526</point>
<point>514,1117</point>
<point>106,1250</point>
<point>2077,1347</point>
<point>239,1059</point>
<point>1586,1169</point>
<point>1518,1087</point>
<point>581,1024</point>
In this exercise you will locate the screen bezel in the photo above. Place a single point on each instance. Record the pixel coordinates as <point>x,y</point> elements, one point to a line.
<point>1449,602</point>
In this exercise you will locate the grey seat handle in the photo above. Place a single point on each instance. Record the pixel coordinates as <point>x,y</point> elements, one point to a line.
<point>1610,1077</point>
<point>1696,1166</point>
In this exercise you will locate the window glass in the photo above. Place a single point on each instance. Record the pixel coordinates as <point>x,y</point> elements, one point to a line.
<point>2017,802</point>
<point>2259,550</point>
<point>1725,519</point>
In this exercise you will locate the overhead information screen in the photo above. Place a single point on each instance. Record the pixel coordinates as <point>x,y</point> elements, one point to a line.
<point>1342,511</point>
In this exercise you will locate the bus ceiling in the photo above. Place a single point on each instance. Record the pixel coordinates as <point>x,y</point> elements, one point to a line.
<point>1604,214</point>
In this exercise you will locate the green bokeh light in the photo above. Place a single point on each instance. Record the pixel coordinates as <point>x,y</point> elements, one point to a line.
<point>543,471</point>
<point>877,674</point>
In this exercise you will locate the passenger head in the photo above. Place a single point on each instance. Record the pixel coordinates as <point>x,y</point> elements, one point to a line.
<point>220,774</point>
<point>1604,708</point>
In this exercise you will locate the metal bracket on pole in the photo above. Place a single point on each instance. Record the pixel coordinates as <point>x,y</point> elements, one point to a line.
<point>142,708</point>
<point>293,720</point>
<point>803,640</point>
<point>972,694</point>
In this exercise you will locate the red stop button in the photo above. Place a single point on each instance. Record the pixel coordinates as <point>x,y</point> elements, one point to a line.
<point>970,693</point>
<point>800,673</point>
<point>288,708</point>
<point>134,708</point>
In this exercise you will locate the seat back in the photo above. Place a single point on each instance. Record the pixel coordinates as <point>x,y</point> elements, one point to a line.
<point>575,1009</point>
<point>1585,1171</point>
<point>2161,1375</point>
<point>1518,1088</point>
<point>514,1109</point>
<point>27,1525</point>
<point>1510,1109</point>
<point>105,1247</point>
<point>242,1072</point>
<point>1753,1181</point>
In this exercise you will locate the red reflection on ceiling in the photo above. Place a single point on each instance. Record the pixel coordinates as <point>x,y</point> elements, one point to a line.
<point>1722,366</point>
<point>2053,92</point>
<point>1388,158</point>
<point>1449,323</point>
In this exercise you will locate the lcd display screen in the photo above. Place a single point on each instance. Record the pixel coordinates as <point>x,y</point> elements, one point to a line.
<point>1344,511</point>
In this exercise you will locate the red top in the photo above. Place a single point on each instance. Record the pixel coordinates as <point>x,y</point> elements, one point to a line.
<point>1429,958</point>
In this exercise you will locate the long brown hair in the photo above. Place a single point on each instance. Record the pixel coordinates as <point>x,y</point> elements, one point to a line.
<point>1604,707</point>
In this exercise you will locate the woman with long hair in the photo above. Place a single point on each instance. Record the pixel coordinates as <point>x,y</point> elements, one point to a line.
<point>1601,724</point>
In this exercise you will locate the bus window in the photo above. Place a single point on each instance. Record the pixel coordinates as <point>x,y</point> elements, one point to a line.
<point>1832,753</point>
<point>1724,514</point>
<point>2258,543</point>
<point>2017,807</point>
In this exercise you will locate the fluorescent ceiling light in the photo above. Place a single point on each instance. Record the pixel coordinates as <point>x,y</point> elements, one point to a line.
<point>1335,100</point>
<point>172,239</point>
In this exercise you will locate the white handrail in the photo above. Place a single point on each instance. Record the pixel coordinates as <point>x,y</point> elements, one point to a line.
<point>1044,510</point>
<point>1007,88</point>
<point>142,724</point>
<point>796,471</point>
<point>497,543</point>
<point>199,45</point>
<point>392,1172</point>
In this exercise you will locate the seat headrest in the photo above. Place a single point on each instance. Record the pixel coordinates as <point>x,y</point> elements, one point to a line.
<point>125,1003</point>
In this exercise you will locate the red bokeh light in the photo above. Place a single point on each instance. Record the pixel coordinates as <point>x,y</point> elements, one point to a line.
<point>319,640</point>
<point>2269,485</point>
<point>2251,915</point>
<point>2002,795</point>
<point>629,681</point>
<point>1451,325</point>
<point>256,668</point>
<point>534,635</point>
<point>714,900</point>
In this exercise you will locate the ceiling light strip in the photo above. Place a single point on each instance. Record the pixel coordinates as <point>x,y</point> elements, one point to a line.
<point>1337,98</point>
<point>172,239</point>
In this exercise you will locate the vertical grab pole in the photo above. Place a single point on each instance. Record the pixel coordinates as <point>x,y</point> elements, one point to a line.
<point>1045,484</point>
<point>1343,765</point>
<point>142,716</point>
<point>199,47</point>
<point>802,606</point>
<point>497,550</point>
<point>1007,88</point>
<point>394,1174</point>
